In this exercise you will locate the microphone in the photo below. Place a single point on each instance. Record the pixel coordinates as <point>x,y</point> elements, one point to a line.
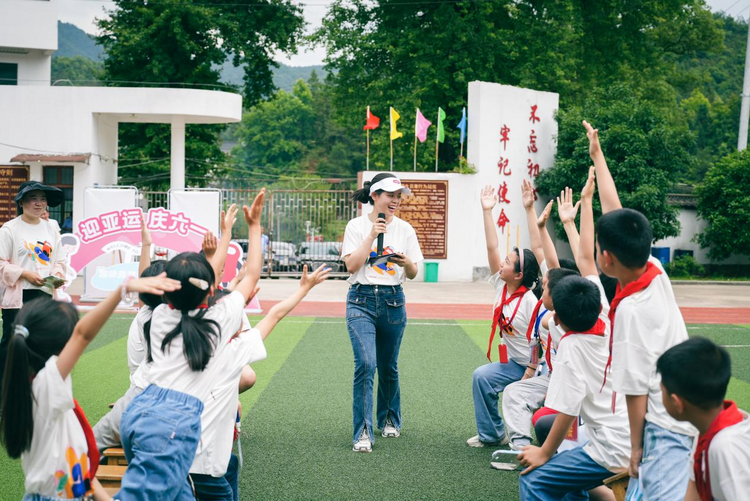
<point>380,237</point>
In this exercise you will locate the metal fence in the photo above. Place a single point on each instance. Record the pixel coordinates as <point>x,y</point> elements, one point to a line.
<point>303,227</point>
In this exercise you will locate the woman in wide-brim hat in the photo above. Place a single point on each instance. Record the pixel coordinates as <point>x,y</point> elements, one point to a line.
<point>29,252</point>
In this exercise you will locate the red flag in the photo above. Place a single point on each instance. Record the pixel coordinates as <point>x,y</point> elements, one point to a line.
<point>373,122</point>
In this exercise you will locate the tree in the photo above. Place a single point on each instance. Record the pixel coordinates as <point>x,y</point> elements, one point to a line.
<point>724,202</point>
<point>645,152</point>
<point>408,55</point>
<point>78,70</point>
<point>185,43</point>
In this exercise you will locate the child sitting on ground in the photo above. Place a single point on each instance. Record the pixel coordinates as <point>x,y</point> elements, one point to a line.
<point>694,379</point>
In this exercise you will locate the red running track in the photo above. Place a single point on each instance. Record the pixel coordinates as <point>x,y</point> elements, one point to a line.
<point>484,311</point>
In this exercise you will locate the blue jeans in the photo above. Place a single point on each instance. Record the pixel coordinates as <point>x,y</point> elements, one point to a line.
<point>226,488</point>
<point>664,472</point>
<point>375,318</point>
<point>488,381</point>
<point>568,475</point>
<point>160,431</point>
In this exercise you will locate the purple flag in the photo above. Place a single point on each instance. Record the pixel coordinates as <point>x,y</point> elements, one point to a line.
<point>420,130</point>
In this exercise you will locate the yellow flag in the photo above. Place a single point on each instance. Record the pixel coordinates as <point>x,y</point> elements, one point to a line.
<point>394,118</point>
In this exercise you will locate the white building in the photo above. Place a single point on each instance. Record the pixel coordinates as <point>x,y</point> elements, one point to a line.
<point>68,135</point>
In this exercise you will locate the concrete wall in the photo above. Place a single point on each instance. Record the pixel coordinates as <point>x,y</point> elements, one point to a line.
<point>34,67</point>
<point>29,24</point>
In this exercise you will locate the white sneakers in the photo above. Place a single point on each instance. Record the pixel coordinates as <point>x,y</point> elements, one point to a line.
<point>363,444</point>
<point>390,431</point>
<point>475,442</point>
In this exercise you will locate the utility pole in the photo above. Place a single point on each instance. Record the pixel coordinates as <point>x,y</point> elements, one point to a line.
<point>745,110</point>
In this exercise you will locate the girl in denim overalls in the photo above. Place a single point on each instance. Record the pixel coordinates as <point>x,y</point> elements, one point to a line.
<point>375,311</point>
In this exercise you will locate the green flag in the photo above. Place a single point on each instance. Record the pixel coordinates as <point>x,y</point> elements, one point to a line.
<point>440,128</point>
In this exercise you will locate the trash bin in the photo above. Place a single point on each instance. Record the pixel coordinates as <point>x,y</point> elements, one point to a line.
<point>431,272</point>
<point>662,254</point>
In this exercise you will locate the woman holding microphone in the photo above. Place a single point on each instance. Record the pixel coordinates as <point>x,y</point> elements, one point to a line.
<point>375,309</point>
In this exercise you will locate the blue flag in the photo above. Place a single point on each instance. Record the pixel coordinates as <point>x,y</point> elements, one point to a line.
<point>462,125</point>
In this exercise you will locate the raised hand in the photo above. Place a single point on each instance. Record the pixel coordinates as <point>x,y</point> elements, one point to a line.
<point>565,208</point>
<point>527,192</point>
<point>210,243</point>
<point>315,278</point>
<point>145,232</point>
<point>593,134</point>
<point>542,220</point>
<point>590,186</point>
<point>228,218</point>
<point>488,198</point>
<point>157,285</point>
<point>253,213</point>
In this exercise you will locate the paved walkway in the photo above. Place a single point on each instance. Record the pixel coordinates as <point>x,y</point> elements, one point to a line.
<point>700,303</point>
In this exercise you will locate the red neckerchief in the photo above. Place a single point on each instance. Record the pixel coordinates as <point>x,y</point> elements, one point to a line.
<point>547,354</point>
<point>652,271</point>
<point>92,453</point>
<point>530,330</point>
<point>499,313</point>
<point>729,416</point>
<point>598,329</point>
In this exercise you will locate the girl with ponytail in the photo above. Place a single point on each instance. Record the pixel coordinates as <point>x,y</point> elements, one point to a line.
<point>516,282</point>
<point>41,422</point>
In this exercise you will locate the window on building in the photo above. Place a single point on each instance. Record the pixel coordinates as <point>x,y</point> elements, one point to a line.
<point>8,74</point>
<point>61,177</point>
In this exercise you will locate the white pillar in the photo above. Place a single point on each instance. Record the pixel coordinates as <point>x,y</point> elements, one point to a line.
<point>177,177</point>
<point>745,109</point>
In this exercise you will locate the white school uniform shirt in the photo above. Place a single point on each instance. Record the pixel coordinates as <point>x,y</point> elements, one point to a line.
<point>136,346</point>
<point>518,345</point>
<point>575,389</point>
<point>170,368</point>
<point>57,435</point>
<point>400,238</point>
<point>647,324</point>
<point>729,462</point>
<point>220,409</point>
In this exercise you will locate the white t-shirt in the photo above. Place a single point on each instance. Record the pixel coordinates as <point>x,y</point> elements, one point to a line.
<point>220,410</point>
<point>37,247</point>
<point>400,238</point>
<point>518,345</point>
<point>170,368</point>
<point>574,389</point>
<point>136,346</point>
<point>57,434</point>
<point>647,324</point>
<point>729,462</point>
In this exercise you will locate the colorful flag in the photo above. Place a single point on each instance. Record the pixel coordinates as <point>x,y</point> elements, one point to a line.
<point>420,130</point>
<point>462,126</point>
<point>394,118</point>
<point>440,128</point>
<point>373,122</point>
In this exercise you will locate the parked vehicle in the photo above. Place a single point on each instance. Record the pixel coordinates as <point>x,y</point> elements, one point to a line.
<point>313,254</point>
<point>283,256</point>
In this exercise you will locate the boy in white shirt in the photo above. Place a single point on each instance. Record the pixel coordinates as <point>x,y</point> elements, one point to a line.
<point>575,387</point>
<point>721,464</point>
<point>645,323</point>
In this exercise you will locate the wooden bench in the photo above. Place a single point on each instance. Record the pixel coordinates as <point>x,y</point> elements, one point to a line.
<point>110,476</point>
<point>618,484</point>
<point>115,456</point>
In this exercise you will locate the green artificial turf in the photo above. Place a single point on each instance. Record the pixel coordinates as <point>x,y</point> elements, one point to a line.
<point>297,419</point>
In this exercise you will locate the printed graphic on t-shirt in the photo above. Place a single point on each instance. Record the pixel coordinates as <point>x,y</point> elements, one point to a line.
<point>72,484</point>
<point>386,268</point>
<point>39,252</point>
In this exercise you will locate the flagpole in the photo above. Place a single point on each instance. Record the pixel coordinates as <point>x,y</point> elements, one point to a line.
<point>368,149</point>
<point>436,145</point>
<point>462,149</point>
<point>391,153</point>
<point>415,152</point>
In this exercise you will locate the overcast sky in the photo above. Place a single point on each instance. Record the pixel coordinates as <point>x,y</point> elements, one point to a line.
<point>83,12</point>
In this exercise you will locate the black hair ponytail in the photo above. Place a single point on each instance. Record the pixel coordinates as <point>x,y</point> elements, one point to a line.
<point>199,334</point>
<point>530,271</point>
<point>363,196</point>
<point>152,301</point>
<point>42,328</point>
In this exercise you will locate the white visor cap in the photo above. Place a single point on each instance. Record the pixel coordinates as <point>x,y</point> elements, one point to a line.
<point>390,184</point>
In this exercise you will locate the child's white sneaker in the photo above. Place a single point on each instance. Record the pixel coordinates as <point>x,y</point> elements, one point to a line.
<point>390,431</point>
<point>363,444</point>
<point>475,442</point>
<point>505,460</point>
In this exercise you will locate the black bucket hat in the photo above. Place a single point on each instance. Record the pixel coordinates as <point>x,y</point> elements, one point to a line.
<point>54,195</point>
